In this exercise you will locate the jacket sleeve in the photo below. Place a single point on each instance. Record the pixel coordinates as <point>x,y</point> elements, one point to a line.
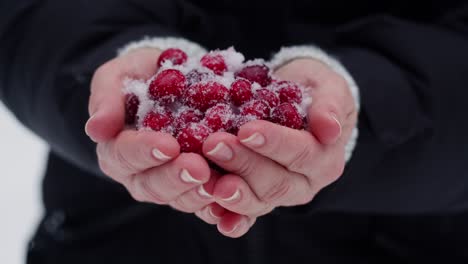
<point>49,51</point>
<point>413,146</point>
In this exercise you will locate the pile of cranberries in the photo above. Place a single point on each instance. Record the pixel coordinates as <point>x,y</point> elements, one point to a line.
<point>193,97</point>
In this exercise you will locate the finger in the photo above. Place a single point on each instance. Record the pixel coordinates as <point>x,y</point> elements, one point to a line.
<point>107,102</point>
<point>333,102</point>
<point>324,123</point>
<point>233,193</point>
<point>211,214</point>
<point>296,150</point>
<point>204,214</point>
<point>197,198</point>
<point>234,225</point>
<point>271,183</point>
<point>165,183</point>
<point>330,111</point>
<point>135,151</point>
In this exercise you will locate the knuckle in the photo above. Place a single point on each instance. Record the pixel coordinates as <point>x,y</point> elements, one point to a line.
<point>245,167</point>
<point>301,160</point>
<point>276,191</point>
<point>105,167</point>
<point>183,205</point>
<point>305,198</point>
<point>148,192</point>
<point>335,170</point>
<point>123,162</point>
<point>137,197</point>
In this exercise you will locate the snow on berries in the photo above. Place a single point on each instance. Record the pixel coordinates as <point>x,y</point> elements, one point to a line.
<point>286,114</point>
<point>191,97</point>
<point>167,86</point>
<point>258,73</point>
<point>192,137</point>
<point>215,62</point>
<point>204,95</point>
<point>158,120</point>
<point>176,56</point>
<point>241,92</point>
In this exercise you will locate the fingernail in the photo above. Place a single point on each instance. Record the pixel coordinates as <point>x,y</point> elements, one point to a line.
<point>202,192</point>
<point>159,155</point>
<point>255,140</point>
<point>233,197</point>
<point>87,124</point>
<point>338,122</point>
<point>186,177</point>
<point>235,227</point>
<point>221,152</point>
<point>211,213</point>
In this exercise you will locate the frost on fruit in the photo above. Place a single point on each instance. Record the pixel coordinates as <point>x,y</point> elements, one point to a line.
<point>175,56</point>
<point>191,97</point>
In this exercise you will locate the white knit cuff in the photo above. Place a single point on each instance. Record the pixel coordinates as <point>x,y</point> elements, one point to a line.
<point>286,54</point>
<point>192,49</point>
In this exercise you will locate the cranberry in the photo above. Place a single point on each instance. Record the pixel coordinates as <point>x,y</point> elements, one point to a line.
<point>287,115</point>
<point>195,76</point>
<point>192,137</point>
<point>241,92</point>
<point>187,117</point>
<point>268,97</point>
<point>157,121</point>
<point>131,108</point>
<point>167,86</point>
<point>256,73</point>
<point>289,92</point>
<point>256,109</point>
<point>176,56</point>
<point>214,62</point>
<point>219,117</point>
<point>204,95</point>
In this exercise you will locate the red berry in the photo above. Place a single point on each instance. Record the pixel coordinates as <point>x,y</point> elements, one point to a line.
<point>204,95</point>
<point>289,92</point>
<point>214,62</point>
<point>256,73</point>
<point>167,86</point>
<point>287,115</point>
<point>131,108</point>
<point>157,121</point>
<point>268,97</point>
<point>192,137</point>
<point>195,76</point>
<point>241,92</point>
<point>187,117</point>
<point>256,110</point>
<point>219,117</point>
<point>177,57</point>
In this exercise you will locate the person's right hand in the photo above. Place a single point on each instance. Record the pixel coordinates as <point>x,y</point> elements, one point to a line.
<point>147,163</point>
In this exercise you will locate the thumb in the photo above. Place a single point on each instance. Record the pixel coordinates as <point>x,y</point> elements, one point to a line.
<point>107,101</point>
<point>106,105</point>
<point>328,114</point>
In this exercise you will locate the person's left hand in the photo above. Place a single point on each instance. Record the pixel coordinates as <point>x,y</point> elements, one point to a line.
<point>272,165</point>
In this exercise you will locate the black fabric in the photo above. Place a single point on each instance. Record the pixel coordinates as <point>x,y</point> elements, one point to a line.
<point>409,59</point>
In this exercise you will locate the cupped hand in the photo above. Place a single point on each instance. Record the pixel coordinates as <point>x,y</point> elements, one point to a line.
<point>147,163</point>
<point>272,166</point>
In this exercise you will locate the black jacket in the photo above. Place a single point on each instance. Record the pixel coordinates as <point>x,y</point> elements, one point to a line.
<point>409,59</point>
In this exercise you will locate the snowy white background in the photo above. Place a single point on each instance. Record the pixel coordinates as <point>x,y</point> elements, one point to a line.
<point>22,160</point>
